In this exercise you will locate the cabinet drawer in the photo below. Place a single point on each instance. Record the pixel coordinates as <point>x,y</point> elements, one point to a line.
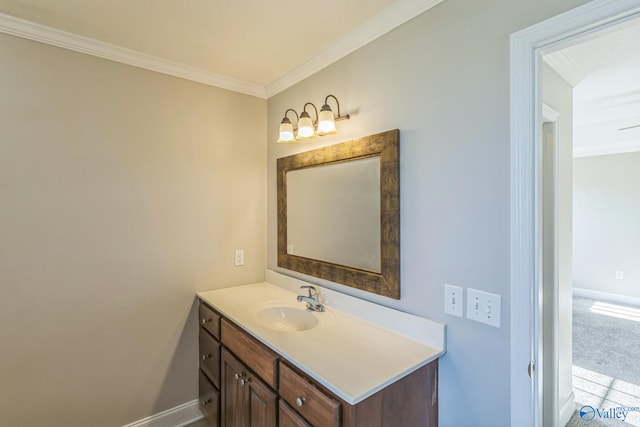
<point>315,406</point>
<point>289,418</point>
<point>256,356</point>
<point>210,356</point>
<point>210,320</point>
<point>209,401</point>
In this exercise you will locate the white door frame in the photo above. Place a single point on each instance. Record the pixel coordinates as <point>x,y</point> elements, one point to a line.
<point>547,375</point>
<point>526,50</point>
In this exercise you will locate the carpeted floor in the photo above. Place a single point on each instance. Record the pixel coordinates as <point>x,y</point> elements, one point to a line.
<point>606,363</point>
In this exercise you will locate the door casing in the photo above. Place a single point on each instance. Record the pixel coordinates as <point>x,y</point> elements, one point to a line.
<point>526,50</point>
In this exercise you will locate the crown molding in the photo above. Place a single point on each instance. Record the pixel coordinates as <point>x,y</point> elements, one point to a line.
<point>625,105</point>
<point>385,21</point>
<point>605,149</point>
<point>565,67</point>
<point>43,34</point>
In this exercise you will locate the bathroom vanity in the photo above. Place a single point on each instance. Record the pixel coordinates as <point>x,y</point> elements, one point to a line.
<point>266,360</point>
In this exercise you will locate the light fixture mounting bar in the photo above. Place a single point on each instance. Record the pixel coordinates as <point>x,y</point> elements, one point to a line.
<point>630,127</point>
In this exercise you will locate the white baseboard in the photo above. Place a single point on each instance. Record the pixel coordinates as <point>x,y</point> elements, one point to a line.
<point>178,416</point>
<point>605,296</point>
<point>567,410</point>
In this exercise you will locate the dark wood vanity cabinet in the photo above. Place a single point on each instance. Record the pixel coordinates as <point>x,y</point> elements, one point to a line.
<point>246,400</point>
<point>311,403</point>
<point>210,320</point>
<point>252,386</point>
<point>209,400</point>
<point>209,354</point>
<point>289,418</point>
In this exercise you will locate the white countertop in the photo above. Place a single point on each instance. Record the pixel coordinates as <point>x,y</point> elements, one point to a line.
<point>352,357</point>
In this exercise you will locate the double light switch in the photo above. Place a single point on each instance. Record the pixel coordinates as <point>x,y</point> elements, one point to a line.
<point>482,307</point>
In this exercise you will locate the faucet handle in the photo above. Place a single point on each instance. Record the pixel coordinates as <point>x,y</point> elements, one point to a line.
<point>312,290</point>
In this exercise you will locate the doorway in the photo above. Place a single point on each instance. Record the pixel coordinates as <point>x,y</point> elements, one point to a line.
<point>600,77</point>
<point>527,48</point>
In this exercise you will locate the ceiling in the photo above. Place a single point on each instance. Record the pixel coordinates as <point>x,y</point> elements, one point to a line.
<point>605,73</point>
<point>256,47</point>
<point>263,47</point>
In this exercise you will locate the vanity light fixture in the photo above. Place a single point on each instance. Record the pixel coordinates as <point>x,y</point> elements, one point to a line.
<point>306,128</point>
<point>323,125</point>
<point>286,128</point>
<point>326,122</point>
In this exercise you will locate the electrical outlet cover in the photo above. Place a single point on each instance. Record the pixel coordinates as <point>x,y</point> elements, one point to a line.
<point>239,257</point>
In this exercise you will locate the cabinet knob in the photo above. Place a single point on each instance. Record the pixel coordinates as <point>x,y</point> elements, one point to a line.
<point>300,401</point>
<point>204,321</point>
<point>237,376</point>
<point>206,402</point>
<point>244,381</point>
<point>205,356</point>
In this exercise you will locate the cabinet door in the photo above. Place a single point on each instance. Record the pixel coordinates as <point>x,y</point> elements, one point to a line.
<point>289,418</point>
<point>260,402</point>
<point>246,401</point>
<point>232,411</point>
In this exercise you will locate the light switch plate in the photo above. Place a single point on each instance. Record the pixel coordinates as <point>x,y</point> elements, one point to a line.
<point>483,307</point>
<point>453,300</point>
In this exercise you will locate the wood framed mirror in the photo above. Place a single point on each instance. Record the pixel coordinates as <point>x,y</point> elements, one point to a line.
<point>339,213</point>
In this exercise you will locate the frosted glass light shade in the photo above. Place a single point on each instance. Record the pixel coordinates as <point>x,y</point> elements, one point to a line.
<point>305,126</point>
<point>286,132</point>
<point>326,123</point>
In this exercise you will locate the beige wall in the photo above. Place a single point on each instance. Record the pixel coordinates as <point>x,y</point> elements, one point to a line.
<point>443,80</point>
<point>122,193</point>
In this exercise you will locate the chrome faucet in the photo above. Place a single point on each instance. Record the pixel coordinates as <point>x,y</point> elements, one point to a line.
<point>312,299</point>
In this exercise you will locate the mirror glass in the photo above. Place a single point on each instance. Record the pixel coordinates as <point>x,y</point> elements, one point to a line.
<point>339,213</point>
<point>333,213</point>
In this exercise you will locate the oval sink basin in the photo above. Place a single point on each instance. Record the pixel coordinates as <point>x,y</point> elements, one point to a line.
<point>286,319</point>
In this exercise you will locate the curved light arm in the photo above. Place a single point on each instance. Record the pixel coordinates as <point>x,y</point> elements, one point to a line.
<point>339,117</point>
